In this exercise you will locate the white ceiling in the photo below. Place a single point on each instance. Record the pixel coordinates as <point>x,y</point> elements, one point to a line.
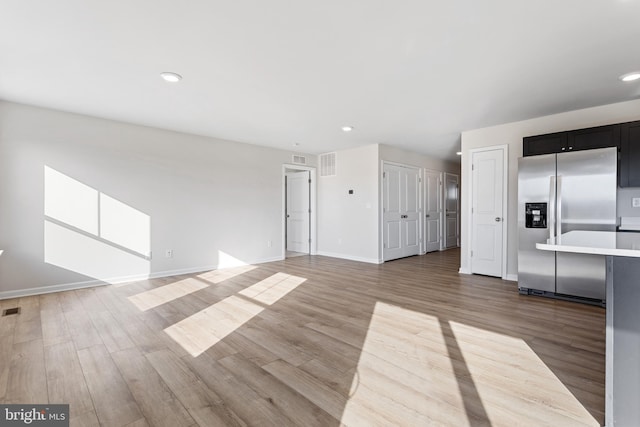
<point>408,73</point>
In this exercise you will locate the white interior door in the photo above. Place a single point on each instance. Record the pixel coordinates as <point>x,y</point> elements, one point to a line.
<point>391,212</point>
<point>451,201</point>
<point>411,208</point>
<point>297,211</point>
<point>433,210</point>
<point>401,211</point>
<point>486,212</point>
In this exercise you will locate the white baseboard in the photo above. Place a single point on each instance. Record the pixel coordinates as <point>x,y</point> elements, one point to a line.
<point>271,259</point>
<point>464,270</point>
<point>512,277</point>
<point>350,257</point>
<point>17,293</point>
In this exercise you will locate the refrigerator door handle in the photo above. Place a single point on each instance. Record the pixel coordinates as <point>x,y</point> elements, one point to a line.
<point>559,206</point>
<point>552,209</point>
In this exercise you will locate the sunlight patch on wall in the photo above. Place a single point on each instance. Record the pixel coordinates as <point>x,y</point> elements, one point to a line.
<point>70,201</point>
<point>91,233</point>
<point>164,294</point>
<point>227,261</point>
<point>404,378</point>
<point>124,225</point>
<point>529,379</point>
<point>204,329</point>
<point>86,255</point>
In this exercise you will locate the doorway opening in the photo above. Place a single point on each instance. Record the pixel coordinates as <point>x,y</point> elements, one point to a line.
<point>299,211</point>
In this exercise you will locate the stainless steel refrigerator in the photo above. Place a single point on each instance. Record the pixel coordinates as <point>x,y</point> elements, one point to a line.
<point>558,193</point>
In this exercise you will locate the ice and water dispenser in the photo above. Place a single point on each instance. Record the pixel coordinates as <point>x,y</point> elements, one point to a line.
<point>535,215</point>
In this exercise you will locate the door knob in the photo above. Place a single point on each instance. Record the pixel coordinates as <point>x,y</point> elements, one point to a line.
<point>498,219</point>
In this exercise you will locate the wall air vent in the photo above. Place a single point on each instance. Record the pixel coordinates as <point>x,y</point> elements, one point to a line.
<point>10,311</point>
<point>328,164</point>
<point>300,160</point>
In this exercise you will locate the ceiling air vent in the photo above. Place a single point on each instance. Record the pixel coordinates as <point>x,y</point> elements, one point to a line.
<point>328,164</point>
<point>301,160</point>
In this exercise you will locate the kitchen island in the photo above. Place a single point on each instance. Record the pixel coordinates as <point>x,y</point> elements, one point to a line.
<point>622,383</point>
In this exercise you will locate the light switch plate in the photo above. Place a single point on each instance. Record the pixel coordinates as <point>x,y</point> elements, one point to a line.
<point>635,202</point>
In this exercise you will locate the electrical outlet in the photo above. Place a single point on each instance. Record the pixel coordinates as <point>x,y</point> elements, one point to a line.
<point>168,253</point>
<point>635,202</point>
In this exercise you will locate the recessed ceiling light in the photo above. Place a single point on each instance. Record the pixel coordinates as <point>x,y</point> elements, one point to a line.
<point>170,77</point>
<point>347,128</point>
<point>458,153</point>
<point>629,77</point>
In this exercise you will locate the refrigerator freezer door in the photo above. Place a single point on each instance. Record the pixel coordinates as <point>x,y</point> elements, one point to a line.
<point>586,193</point>
<point>536,184</point>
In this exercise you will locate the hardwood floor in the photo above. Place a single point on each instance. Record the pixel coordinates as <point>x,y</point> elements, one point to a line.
<point>308,341</point>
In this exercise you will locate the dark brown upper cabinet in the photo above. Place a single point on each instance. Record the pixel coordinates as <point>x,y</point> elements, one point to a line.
<point>625,136</point>
<point>544,144</point>
<point>630,154</point>
<point>598,137</point>
<point>575,140</point>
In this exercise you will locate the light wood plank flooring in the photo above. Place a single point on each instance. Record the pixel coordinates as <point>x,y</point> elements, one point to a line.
<point>309,341</point>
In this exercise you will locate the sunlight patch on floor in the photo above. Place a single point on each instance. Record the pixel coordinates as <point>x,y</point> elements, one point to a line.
<point>505,368</point>
<point>272,288</point>
<point>204,329</point>
<point>222,274</point>
<point>417,369</point>
<point>164,294</point>
<point>402,377</point>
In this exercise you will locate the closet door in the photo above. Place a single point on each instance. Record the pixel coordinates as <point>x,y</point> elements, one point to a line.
<point>400,211</point>
<point>451,202</point>
<point>433,210</point>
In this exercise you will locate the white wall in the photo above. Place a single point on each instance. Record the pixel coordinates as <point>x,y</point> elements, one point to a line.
<point>209,200</point>
<point>397,155</point>
<point>348,223</point>
<point>512,134</point>
<point>409,158</point>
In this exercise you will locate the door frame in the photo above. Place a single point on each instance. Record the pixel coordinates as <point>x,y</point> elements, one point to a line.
<point>505,194</point>
<point>313,232</point>
<point>420,169</point>
<point>441,204</point>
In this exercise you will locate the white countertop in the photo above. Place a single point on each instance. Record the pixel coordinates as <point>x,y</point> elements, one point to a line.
<point>595,242</point>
